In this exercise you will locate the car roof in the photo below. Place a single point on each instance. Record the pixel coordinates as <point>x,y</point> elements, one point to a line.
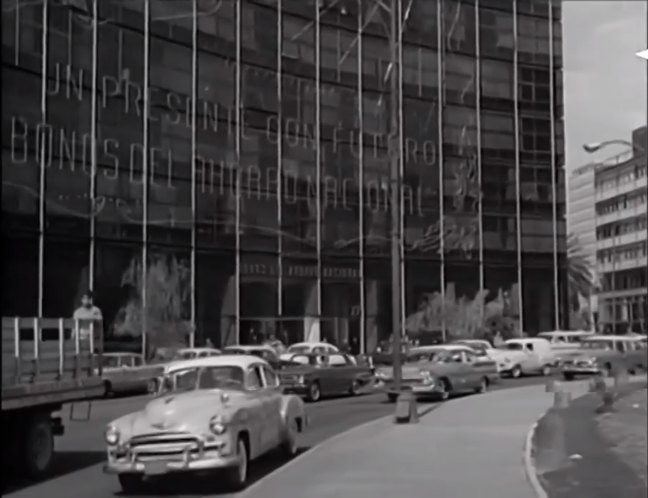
<point>121,353</point>
<point>197,350</point>
<point>312,344</point>
<point>243,361</point>
<point>249,347</point>
<point>522,340</point>
<point>439,347</point>
<point>564,332</point>
<point>630,338</point>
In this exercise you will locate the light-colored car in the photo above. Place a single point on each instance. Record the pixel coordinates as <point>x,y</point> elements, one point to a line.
<point>503,358</point>
<point>191,353</point>
<point>213,414</point>
<point>308,348</point>
<point>607,354</point>
<point>440,371</point>
<point>529,356</point>
<point>565,343</point>
<point>127,373</point>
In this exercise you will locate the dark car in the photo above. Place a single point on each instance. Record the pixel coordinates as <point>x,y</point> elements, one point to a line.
<point>315,375</point>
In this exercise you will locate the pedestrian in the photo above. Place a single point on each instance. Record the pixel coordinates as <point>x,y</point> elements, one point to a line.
<point>209,343</point>
<point>89,317</point>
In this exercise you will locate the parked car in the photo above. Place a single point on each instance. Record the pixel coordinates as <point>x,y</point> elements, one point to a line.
<point>213,414</point>
<point>607,354</point>
<point>191,353</point>
<point>565,342</point>
<point>268,353</point>
<point>308,348</point>
<point>316,375</point>
<point>441,371</point>
<point>127,373</point>
<point>503,358</point>
<point>529,356</point>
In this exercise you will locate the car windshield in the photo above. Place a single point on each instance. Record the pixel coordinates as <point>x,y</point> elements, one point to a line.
<point>434,356</point>
<point>110,361</point>
<point>186,355</point>
<point>597,344</point>
<point>235,351</point>
<point>223,377</point>
<point>299,349</point>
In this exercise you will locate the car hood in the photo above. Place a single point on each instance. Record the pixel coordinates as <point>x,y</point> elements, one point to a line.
<point>179,412</point>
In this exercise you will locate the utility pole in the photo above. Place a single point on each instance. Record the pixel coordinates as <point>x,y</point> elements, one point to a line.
<point>394,146</point>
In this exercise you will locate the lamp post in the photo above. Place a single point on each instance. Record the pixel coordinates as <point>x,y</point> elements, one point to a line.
<point>596,146</point>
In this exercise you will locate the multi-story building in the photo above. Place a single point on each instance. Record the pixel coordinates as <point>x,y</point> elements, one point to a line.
<point>621,233</point>
<point>223,165</point>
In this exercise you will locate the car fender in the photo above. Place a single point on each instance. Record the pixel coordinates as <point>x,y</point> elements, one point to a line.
<point>293,407</point>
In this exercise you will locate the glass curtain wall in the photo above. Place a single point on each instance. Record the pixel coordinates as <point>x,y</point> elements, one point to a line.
<point>219,169</point>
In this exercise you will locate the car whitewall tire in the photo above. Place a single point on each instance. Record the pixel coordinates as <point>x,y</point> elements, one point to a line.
<point>289,446</point>
<point>236,477</point>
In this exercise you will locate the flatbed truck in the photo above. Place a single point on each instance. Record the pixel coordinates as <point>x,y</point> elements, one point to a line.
<point>46,362</point>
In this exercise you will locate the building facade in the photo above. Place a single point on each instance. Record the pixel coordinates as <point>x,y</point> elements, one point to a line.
<point>581,222</point>
<point>221,166</point>
<point>621,246</point>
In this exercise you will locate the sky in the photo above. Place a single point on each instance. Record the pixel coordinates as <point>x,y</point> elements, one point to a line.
<point>605,82</point>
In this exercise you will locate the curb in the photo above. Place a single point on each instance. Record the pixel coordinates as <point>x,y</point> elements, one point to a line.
<point>529,465</point>
<point>250,489</point>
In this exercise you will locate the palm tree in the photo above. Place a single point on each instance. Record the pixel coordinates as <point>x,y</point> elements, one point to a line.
<point>580,275</point>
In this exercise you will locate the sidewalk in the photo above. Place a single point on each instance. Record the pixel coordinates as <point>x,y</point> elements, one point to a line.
<point>472,446</point>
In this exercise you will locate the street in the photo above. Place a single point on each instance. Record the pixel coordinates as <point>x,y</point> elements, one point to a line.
<point>78,471</point>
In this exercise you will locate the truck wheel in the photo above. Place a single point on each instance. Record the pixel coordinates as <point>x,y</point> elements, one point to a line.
<point>131,484</point>
<point>38,446</point>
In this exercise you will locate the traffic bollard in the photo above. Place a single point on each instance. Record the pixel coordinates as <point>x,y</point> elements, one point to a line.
<point>552,386</point>
<point>406,409</point>
<point>562,399</point>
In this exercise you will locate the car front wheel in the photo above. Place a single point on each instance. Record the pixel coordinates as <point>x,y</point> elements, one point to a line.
<point>546,371</point>
<point>516,372</point>
<point>314,392</point>
<point>289,447</point>
<point>236,477</point>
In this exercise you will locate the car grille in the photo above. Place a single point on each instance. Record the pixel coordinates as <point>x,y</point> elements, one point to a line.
<point>165,446</point>
<point>289,379</point>
<point>583,363</point>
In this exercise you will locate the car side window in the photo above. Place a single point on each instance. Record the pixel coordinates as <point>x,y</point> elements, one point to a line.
<point>331,350</point>
<point>137,361</point>
<point>319,350</point>
<point>456,358</point>
<point>620,347</point>
<point>337,360</point>
<point>271,378</point>
<point>253,379</point>
<point>469,357</point>
<point>528,346</point>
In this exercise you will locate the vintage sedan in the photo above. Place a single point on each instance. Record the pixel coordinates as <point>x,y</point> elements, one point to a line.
<point>316,375</point>
<point>309,348</point>
<point>606,354</point>
<point>127,373</point>
<point>268,353</point>
<point>213,414</point>
<point>441,371</point>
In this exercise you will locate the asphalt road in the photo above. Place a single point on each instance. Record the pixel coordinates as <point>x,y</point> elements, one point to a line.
<point>77,471</point>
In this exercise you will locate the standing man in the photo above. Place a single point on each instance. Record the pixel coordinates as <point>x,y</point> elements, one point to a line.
<point>88,314</point>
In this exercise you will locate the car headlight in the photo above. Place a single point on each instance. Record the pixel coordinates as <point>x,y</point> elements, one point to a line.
<point>427,377</point>
<point>217,425</point>
<point>301,379</point>
<point>112,435</point>
<point>382,376</point>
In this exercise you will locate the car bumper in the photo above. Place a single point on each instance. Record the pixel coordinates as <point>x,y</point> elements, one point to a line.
<point>580,370</point>
<point>298,389</point>
<point>210,460</point>
<point>417,389</point>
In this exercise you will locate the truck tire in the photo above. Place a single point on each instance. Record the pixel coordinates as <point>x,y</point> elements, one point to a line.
<point>37,449</point>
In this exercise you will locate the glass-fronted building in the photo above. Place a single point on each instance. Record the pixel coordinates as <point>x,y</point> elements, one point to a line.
<point>222,164</point>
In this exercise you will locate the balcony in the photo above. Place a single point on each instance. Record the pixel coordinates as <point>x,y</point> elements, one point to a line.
<point>626,264</point>
<point>621,214</point>
<point>621,240</point>
<point>620,189</point>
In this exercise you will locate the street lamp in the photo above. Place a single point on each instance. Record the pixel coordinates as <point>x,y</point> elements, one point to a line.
<point>596,146</point>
